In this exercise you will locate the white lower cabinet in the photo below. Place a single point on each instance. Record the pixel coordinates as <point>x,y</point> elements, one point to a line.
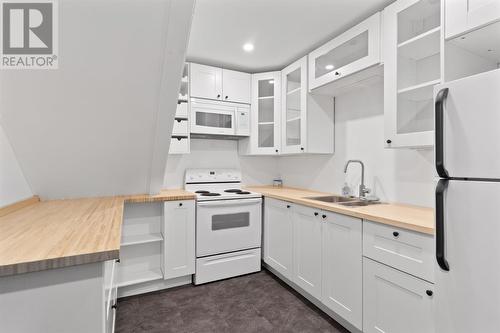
<point>307,249</point>
<point>278,236</point>
<point>395,302</point>
<point>342,267</point>
<point>179,235</point>
<point>321,252</point>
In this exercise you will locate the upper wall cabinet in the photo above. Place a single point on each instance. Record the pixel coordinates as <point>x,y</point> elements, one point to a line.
<point>353,51</point>
<point>412,66</point>
<point>265,135</point>
<point>307,121</point>
<point>294,95</point>
<point>220,84</point>
<point>236,86</point>
<point>462,16</point>
<point>206,82</point>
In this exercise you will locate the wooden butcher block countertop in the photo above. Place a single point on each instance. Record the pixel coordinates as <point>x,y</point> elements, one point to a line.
<point>409,217</point>
<point>59,233</point>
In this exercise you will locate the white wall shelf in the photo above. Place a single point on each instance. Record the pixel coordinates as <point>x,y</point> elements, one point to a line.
<point>421,46</point>
<point>141,239</point>
<point>419,91</point>
<point>131,278</point>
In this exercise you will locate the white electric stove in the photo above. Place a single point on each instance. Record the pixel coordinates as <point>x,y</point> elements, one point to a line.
<point>228,224</point>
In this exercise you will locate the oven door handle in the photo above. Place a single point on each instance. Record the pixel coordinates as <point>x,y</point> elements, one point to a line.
<point>222,203</point>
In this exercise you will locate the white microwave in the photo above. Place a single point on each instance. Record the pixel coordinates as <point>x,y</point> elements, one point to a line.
<point>219,118</point>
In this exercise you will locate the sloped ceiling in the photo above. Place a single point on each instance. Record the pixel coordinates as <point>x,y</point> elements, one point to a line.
<point>100,124</point>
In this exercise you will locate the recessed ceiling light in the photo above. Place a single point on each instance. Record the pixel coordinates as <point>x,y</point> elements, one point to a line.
<point>271,81</point>
<point>248,47</point>
<point>329,67</point>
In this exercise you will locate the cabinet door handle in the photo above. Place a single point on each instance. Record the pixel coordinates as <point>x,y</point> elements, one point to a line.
<point>302,148</point>
<point>395,234</point>
<point>323,216</point>
<point>117,260</point>
<point>316,213</point>
<point>388,141</point>
<point>114,306</point>
<point>227,97</point>
<point>287,206</point>
<point>218,96</point>
<point>180,204</point>
<point>429,292</point>
<point>337,73</point>
<point>439,132</point>
<point>276,150</point>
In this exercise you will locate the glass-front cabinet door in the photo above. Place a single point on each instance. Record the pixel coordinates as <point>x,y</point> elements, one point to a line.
<point>354,50</point>
<point>412,67</point>
<point>266,109</point>
<point>294,104</point>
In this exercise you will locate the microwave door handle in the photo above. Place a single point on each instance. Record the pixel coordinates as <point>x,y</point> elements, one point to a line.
<point>222,203</point>
<point>439,132</point>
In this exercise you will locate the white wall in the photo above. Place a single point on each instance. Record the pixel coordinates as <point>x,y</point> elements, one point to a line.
<point>256,170</point>
<point>13,185</point>
<point>403,175</point>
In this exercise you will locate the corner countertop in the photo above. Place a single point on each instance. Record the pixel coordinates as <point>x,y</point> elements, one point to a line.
<point>60,233</point>
<point>409,217</point>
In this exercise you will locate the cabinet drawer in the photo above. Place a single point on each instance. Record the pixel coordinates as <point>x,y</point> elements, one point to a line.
<point>179,145</point>
<point>180,126</point>
<point>406,250</point>
<point>182,110</point>
<point>227,265</point>
<point>395,302</point>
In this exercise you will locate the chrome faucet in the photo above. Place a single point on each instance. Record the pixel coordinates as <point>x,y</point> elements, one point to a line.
<point>363,190</point>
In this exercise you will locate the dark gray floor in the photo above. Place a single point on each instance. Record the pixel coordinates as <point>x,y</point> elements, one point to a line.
<point>252,303</point>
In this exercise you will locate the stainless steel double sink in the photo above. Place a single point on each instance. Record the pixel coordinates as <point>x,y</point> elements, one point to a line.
<point>344,201</point>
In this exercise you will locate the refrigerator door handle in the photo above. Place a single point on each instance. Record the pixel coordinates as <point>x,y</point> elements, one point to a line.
<point>440,243</point>
<point>439,132</point>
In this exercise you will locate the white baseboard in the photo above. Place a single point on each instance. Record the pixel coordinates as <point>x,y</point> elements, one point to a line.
<point>150,286</point>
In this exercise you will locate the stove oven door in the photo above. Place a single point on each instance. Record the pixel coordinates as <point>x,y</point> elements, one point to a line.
<point>228,225</point>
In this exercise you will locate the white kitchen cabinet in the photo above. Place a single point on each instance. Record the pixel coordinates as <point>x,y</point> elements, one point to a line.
<point>412,66</point>
<point>206,81</point>
<point>179,234</point>
<point>265,129</point>
<point>395,302</point>
<point>278,236</point>
<point>409,251</point>
<point>342,267</point>
<point>294,99</point>
<point>77,299</point>
<point>351,52</point>
<point>236,86</point>
<point>220,84</point>
<point>307,249</point>
<point>307,121</point>
<point>462,16</point>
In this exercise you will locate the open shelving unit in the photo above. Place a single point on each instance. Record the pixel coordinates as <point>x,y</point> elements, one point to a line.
<point>141,254</point>
<point>180,142</point>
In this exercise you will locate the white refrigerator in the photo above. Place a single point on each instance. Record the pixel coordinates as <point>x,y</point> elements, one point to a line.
<point>467,148</point>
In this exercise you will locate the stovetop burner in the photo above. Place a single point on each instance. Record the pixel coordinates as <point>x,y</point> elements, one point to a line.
<point>233,190</point>
<point>210,194</point>
<point>243,192</point>
<point>202,192</point>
